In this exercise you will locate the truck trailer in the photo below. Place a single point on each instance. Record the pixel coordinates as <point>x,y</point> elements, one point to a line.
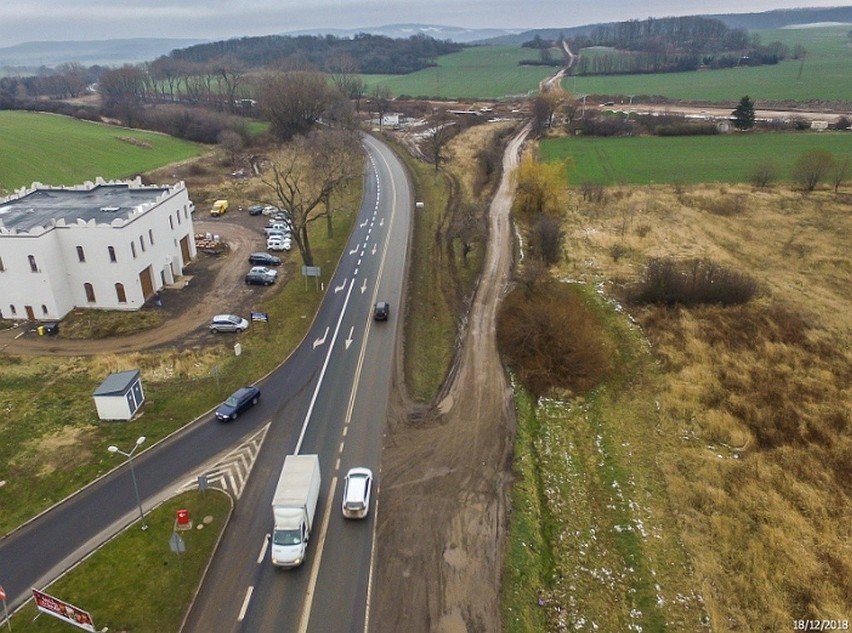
<point>293,507</point>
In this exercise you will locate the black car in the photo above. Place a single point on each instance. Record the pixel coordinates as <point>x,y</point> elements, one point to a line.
<point>382,311</point>
<point>264,259</point>
<point>255,209</point>
<point>259,279</point>
<point>239,401</point>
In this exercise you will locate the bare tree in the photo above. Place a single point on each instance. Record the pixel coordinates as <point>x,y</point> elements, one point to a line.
<point>812,167</point>
<point>764,174</point>
<point>122,90</point>
<point>467,225</point>
<point>343,72</point>
<point>441,129</point>
<point>294,101</point>
<point>381,100</point>
<point>305,174</point>
<point>546,237</point>
<point>840,171</point>
<point>231,71</point>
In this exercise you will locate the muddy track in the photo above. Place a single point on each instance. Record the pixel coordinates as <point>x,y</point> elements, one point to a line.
<point>446,474</point>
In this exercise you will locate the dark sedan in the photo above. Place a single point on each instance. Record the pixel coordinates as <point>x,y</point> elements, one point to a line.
<point>264,259</point>
<point>237,402</point>
<point>259,279</point>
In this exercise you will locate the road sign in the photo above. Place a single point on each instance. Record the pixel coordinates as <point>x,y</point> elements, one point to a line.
<point>176,543</point>
<point>260,316</point>
<point>2,593</point>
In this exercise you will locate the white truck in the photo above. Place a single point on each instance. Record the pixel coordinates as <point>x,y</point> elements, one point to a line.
<point>293,509</point>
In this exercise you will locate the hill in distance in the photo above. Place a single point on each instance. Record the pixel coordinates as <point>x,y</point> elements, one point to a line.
<point>27,58</point>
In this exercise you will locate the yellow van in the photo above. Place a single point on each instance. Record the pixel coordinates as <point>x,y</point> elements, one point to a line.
<point>219,207</point>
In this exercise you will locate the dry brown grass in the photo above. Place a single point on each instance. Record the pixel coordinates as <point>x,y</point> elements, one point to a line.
<point>758,396</point>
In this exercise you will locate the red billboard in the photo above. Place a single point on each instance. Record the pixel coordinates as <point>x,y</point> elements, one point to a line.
<point>62,610</point>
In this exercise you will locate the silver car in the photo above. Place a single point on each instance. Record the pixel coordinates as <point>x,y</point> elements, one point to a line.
<point>228,323</point>
<point>356,493</point>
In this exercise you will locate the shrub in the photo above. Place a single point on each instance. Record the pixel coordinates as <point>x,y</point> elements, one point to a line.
<point>694,282</point>
<point>550,338</point>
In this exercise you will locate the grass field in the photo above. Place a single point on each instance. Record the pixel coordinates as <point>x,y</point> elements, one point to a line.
<point>139,563</point>
<point>687,159</point>
<point>483,72</point>
<point>705,486</point>
<point>823,76</point>
<point>33,142</point>
<point>492,72</point>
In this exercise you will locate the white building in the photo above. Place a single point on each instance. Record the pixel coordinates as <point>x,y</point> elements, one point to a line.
<point>107,245</point>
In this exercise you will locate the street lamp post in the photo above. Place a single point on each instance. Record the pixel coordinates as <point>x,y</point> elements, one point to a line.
<point>129,456</point>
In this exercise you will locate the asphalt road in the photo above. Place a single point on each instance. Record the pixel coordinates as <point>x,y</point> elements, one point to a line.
<point>329,398</point>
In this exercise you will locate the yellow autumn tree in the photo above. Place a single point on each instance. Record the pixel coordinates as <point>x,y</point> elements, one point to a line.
<point>541,188</point>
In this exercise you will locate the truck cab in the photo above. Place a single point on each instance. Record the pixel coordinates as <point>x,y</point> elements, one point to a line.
<point>289,538</point>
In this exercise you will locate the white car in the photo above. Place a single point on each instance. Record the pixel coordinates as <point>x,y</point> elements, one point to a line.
<point>278,243</point>
<point>269,210</point>
<point>278,228</point>
<point>264,270</point>
<point>356,493</point>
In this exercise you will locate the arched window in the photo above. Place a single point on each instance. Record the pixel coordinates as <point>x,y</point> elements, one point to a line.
<point>111,251</point>
<point>119,292</point>
<point>44,309</point>
<point>90,292</point>
<point>81,254</point>
<point>33,265</point>
<point>151,235</point>
<point>133,249</point>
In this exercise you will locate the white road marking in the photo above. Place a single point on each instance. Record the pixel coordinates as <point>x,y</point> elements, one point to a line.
<point>246,601</point>
<point>263,547</point>
<point>312,583</point>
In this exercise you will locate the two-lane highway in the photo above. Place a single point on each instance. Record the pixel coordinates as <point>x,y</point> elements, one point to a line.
<point>342,421</point>
<point>328,398</point>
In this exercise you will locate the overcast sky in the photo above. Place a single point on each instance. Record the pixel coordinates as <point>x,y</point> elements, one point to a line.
<point>57,20</point>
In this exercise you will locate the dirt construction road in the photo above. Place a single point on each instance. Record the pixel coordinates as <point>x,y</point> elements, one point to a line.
<point>446,475</point>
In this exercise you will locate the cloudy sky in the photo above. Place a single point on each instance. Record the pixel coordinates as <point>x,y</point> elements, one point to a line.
<point>57,20</point>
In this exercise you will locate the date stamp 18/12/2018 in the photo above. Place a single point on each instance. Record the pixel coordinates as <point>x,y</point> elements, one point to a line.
<point>821,625</point>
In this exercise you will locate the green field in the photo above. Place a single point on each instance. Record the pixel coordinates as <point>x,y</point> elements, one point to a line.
<point>824,75</point>
<point>687,159</point>
<point>482,72</point>
<point>492,72</point>
<point>58,150</point>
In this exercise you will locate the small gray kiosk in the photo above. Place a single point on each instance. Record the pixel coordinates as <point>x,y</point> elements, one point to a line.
<point>119,396</point>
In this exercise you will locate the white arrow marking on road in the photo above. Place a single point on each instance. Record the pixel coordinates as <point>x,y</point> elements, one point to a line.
<point>349,338</point>
<point>321,341</point>
<point>374,249</point>
<point>364,287</point>
<point>340,287</point>
<point>353,251</point>
<point>363,224</point>
<point>382,222</point>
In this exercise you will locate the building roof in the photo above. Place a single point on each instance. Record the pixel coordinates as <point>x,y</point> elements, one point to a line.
<point>42,206</point>
<point>117,384</point>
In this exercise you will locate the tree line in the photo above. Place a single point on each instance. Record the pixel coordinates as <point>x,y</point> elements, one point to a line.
<point>676,44</point>
<point>373,54</point>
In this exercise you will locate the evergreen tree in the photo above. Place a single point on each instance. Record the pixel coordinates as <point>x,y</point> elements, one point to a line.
<point>743,114</point>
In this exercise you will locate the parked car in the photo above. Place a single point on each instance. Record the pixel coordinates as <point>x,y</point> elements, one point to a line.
<point>237,402</point>
<point>270,210</point>
<point>356,493</point>
<point>264,259</point>
<point>264,270</point>
<point>382,311</point>
<point>228,323</point>
<point>278,228</point>
<point>278,243</point>
<point>255,209</point>
<point>259,279</point>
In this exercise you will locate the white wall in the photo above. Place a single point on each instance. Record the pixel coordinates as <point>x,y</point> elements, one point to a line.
<point>59,284</point>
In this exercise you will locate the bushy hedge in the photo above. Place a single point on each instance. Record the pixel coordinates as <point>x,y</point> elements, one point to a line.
<point>692,282</point>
